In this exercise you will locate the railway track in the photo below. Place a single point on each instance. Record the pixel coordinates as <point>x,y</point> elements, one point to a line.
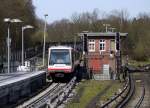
<point>22,100</point>
<point>129,94</point>
<point>146,99</point>
<point>141,96</point>
<point>52,97</point>
<point>135,94</point>
<point>38,99</point>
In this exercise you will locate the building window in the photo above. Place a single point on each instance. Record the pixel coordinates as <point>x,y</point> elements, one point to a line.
<point>102,45</point>
<point>91,44</point>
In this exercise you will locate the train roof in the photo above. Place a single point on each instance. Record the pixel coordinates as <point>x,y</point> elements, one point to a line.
<point>60,47</point>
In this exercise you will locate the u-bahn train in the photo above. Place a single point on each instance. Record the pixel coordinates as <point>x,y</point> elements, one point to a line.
<point>63,62</point>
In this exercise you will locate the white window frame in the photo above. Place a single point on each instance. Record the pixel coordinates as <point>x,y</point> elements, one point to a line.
<point>103,42</point>
<point>90,43</point>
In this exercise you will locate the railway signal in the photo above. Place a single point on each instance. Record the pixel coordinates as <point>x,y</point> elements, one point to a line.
<point>85,43</point>
<point>118,54</point>
<point>117,41</point>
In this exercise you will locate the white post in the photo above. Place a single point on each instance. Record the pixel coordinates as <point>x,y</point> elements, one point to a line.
<point>22,46</point>
<point>75,42</point>
<point>106,26</point>
<point>8,45</point>
<point>44,40</point>
<point>23,28</point>
<point>9,21</point>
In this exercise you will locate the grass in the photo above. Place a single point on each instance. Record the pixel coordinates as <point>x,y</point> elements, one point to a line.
<point>111,91</point>
<point>88,90</point>
<point>139,63</point>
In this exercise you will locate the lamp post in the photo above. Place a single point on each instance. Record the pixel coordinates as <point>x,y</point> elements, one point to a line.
<point>44,39</point>
<point>23,28</point>
<point>9,21</point>
<point>75,44</point>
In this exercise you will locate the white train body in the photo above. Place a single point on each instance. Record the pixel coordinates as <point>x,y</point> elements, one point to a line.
<point>61,61</point>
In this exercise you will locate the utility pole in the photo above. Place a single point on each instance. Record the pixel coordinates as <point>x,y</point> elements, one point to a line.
<point>8,49</point>
<point>106,26</point>
<point>75,40</point>
<point>44,40</point>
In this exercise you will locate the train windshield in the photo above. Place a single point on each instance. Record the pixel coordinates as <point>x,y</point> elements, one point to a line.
<point>60,56</point>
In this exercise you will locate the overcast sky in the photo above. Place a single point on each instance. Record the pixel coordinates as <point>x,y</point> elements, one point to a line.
<point>58,9</point>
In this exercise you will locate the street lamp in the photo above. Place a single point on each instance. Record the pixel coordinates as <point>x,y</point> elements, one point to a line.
<point>106,25</point>
<point>23,28</point>
<point>9,21</point>
<point>44,39</point>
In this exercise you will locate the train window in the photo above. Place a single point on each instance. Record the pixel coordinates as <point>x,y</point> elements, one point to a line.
<point>59,56</point>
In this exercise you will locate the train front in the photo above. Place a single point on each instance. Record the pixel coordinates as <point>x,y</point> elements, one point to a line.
<point>59,64</point>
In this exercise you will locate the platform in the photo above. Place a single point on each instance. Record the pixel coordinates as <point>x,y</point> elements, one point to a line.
<point>15,77</point>
<point>14,86</point>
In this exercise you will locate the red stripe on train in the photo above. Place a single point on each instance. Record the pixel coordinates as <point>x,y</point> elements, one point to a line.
<point>60,69</point>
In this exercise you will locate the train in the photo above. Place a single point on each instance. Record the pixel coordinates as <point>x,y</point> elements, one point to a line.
<point>63,62</point>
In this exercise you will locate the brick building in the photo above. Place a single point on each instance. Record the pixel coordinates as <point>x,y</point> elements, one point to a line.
<point>101,53</point>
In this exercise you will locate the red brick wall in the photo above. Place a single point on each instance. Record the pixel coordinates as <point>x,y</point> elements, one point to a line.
<point>96,63</point>
<point>95,60</point>
<point>107,47</point>
<point>97,45</point>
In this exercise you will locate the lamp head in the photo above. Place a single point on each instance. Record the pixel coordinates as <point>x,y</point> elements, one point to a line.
<point>6,19</point>
<point>46,15</point>
<point>28,26</point>
<point>16,21</point>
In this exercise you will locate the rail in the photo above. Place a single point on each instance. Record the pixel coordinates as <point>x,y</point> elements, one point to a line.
<point>141,98</point>
<point>128,89</point>
<point>129,93</point>
<point>52,97</point>
<point>37,99</point>
<point>59,97</point>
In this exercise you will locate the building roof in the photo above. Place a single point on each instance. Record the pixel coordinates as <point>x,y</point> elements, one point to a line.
<point>109,34</point>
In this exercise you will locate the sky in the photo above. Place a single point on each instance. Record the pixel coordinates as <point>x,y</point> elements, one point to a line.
<point>59,9</point>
